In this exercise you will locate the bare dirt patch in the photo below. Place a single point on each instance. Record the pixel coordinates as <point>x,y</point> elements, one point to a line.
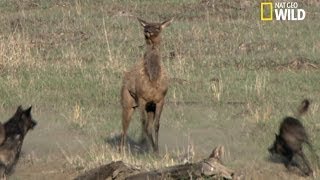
<point>46,149</point>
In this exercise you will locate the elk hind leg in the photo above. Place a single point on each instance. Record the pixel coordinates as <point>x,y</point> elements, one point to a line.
<point>128,105</point>
<point>147,118</point>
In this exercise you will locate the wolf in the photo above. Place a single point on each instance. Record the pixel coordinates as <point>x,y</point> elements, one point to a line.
<point>12,133</point>
<point>292,135</point>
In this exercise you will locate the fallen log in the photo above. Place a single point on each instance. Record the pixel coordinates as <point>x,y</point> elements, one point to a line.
<point>207,168</point>
<point>114,170</point>
<point>211,168</point>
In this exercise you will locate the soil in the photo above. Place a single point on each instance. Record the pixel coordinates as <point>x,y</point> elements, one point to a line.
<point>43,151</point>
<point>45,148</point>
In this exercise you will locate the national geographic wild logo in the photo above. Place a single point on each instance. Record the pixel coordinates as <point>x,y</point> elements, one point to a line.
<point>281,11</point>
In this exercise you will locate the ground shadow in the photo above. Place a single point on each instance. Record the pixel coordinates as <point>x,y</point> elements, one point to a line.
<point>278,159</point>
<point>133,146</point>
<point>294,167</point>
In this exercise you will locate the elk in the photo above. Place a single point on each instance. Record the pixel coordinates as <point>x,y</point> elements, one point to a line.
<point>292,135</point>
<point>145,87</point>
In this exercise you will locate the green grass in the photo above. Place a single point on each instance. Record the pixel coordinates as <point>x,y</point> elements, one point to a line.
<point>69,57</point>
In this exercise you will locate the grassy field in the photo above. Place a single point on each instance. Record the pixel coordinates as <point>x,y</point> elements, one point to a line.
<point>233,78</point>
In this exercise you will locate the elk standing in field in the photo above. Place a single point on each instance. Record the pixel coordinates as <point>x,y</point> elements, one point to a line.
<point>292,135</point>
<point>145,86</point>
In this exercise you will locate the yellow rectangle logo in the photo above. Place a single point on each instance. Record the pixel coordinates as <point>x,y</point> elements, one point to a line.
<point>265,9</point>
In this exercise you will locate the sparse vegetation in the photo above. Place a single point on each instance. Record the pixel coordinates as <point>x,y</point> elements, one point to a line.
<point>233,79</point>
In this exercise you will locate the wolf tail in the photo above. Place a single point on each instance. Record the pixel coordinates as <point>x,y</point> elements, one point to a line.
<point>303,108</point>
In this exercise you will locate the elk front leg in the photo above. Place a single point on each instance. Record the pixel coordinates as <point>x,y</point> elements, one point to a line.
<point>158,111</point>
<point>147,122</point>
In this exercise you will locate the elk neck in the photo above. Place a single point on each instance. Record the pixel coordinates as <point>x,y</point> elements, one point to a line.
<point>152,60</point>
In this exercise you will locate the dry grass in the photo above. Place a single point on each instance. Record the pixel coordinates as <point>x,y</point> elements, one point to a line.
<point>15,53</point>
<point>233,77</point>
<point>97,154</point>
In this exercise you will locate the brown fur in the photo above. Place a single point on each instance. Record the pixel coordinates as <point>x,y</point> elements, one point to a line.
<point>145,86</point>
<point>292,135</point>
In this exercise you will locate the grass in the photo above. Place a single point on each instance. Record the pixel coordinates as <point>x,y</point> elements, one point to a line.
<point>233,74</point>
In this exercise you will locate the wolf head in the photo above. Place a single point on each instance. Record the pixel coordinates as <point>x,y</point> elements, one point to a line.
<point>24,119</point>
<point>278,146</point>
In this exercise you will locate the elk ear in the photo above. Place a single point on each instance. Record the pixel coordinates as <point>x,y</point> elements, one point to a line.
<point>28,111</point>
<point>19,110</point>
<point>142,22</point>
<point>166,23</point>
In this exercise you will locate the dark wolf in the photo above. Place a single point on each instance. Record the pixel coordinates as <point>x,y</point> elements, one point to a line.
<point>292,135</point>
<point>15,129</point>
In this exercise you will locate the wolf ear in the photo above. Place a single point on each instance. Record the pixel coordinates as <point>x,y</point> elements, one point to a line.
<point>166,23</point>
<point>19,110</point>
<point>28,111</point>
<point>142,22</point>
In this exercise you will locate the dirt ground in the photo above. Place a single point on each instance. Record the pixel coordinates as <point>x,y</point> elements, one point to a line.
<point>46,149</point>
<point>43,151</point>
